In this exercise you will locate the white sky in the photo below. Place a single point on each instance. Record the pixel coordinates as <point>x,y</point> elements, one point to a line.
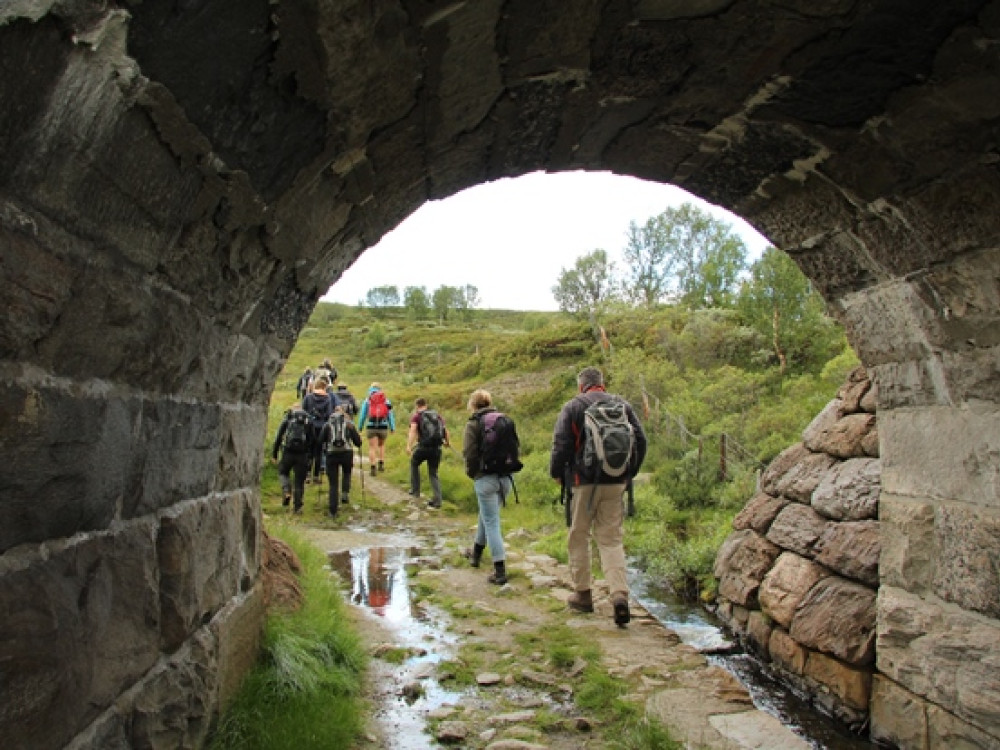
<point>512,238</point>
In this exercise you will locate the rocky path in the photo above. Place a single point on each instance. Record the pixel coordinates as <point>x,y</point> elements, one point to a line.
<point>460,662</point>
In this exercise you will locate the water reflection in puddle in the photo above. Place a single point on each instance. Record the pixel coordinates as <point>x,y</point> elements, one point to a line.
<point>380,584</point>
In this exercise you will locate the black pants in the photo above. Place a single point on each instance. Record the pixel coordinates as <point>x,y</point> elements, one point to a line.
<point>343,462</point>
<point>318,461</point>
<point>433,458</point>
<point>298,465</point>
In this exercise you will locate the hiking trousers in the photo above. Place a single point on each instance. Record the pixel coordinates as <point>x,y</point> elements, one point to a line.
<point>298,465</point>
<point>491,490</point>
<point>602,516</point>
<point>341,462</point>
<point>433,458</point>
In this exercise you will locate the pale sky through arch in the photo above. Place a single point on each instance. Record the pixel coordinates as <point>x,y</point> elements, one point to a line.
<point>512,238</point>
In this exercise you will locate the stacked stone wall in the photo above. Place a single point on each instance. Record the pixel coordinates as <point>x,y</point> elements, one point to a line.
<point>798,577</point>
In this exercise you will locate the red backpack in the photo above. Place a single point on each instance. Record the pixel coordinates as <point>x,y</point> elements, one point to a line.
<point>378,409</point>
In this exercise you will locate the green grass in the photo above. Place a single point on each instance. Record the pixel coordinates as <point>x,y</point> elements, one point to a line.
<point>305,691</point>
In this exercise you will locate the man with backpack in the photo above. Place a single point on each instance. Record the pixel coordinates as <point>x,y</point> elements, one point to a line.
<point>490,449</point>
<point>319,404</point>
<point>597,446</point>
<point>295,438</point>
<point>377,420</point>
<point>346,399</point>
<point>423,443</point>
<point>338,440</point>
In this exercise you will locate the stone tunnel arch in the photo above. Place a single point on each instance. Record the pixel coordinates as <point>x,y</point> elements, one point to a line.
<point>180,182</point>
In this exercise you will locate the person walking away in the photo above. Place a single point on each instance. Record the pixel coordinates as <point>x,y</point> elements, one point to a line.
<point>376,420</point>
<point>423,443</point>
<point>327,372</point>
<point>319,405</point>
<point>492,484</point>
<point>598,486</point>
<point>302,387</point>
<point>339,438</point>
<point>346,399</point>
<point>295,439</point>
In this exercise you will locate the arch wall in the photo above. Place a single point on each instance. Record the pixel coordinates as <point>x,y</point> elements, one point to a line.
<point>180,182</point>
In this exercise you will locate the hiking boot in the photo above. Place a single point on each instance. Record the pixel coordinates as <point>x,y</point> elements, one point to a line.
<point>285,501</point>
<point>433,503</point>
<point>297,510</point>
<point>475,555</point>
<point>499,574</point>
<point>373,471</point>
<point>620,603</point>
<point>581,601</point>
<point>381,466</point>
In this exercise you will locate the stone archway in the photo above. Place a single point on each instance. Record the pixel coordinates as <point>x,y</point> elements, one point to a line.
<point>180,182</point>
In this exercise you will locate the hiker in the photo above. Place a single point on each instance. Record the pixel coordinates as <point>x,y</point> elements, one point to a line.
<point>423,443</point>
<point>302,387</point>
<point>327,372</point>
<point>319,405</point>
<point>295,438</point>
<point>377,421</point>
<point>596,504</point>
<point>339,438</point>
<point>346,399</point>
<point>491,490</point>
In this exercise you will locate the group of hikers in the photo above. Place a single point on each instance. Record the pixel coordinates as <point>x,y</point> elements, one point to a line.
<point>598,445</point>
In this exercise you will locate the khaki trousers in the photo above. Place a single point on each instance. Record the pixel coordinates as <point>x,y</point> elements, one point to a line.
<point>604,518</point>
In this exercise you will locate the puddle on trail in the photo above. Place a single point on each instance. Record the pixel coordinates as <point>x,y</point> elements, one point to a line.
<point>380,584</point>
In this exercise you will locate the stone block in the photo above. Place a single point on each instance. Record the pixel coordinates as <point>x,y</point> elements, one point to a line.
<point>943,452</point>
<point>787,652</point>
<point>759,628</point>
<point>822,423</point>
<point>849,491</point>
<point>968,565</point>
<point>898,717</point>
<point>801,480</point>
<point>741,564</point>
<point>780,466</point>
<point>850,684</point>
<point>852,549</point>
<point>797,528</point>
<point>945,730</point>
<point>837,617</point>
<point>854,390</point>
<point>759,512</point>
<point>869,402</point>
<point>786,585</point>
<point>203,564</point>
<point>237,630</point>
<point>909,548</point>
<point>100,591</point>
<point>941,653</point>
<point>844,439</point>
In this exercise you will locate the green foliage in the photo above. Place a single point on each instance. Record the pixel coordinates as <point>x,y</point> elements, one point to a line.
<point>381,297</point>
<point>416,302</point>
<point>305,690</point>
<point>586,288</point>
<point>377,337</point>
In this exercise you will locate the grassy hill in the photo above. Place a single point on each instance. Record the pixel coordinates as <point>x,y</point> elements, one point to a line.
<point>693,376</point>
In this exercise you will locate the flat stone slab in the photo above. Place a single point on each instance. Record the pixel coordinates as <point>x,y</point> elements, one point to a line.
<point>757,729</point>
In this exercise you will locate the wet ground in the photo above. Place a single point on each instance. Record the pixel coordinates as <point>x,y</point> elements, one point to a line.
<point>425,614</point>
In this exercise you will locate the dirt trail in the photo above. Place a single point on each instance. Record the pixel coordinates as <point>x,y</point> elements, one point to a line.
<point>419,699</point>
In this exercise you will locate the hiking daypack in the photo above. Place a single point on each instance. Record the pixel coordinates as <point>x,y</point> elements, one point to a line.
<point>338,433</point>
<point>608,441</point>
<point>430,429</point>
<point>297,436</point>
<point>378,408</point>
<point>500,446</point>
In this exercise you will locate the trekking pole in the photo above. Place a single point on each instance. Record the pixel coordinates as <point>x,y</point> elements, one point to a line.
<point>361,468</point>
<point>567,487</point>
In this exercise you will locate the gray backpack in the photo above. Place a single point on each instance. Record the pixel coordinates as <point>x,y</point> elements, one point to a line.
<point>608,441</point>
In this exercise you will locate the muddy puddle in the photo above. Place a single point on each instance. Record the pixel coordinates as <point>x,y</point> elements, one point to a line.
<point>415,638</point>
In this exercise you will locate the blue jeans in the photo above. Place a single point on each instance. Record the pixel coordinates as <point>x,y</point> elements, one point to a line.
<point>490,491</point>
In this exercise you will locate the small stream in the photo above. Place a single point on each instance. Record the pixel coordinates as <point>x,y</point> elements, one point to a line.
<point>698,629</point>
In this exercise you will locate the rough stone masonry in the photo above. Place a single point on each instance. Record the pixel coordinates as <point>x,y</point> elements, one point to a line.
<point>180,182</point>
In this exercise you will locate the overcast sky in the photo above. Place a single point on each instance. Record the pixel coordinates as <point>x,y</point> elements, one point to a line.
<point>512,238</point>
